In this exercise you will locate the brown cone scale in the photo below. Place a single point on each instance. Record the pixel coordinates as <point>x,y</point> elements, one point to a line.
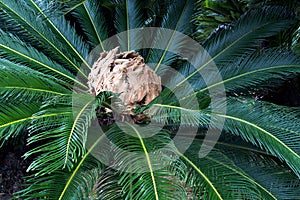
<point>125,74</point>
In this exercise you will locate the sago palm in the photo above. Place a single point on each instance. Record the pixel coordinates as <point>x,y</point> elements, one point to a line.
<point>152,135</point>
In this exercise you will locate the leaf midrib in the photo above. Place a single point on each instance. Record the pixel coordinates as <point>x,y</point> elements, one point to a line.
<point>94,27</point>
<point>243,175</point>
<point>49,42</point>
<point>78,166</point>
<point>220,53</point>
<point>148,160</point>
<point>32,117</point>
<point>171,39</point>
<point>73,129</point>
<point>239,76</point>
<point>201,174</point>
<point>42,64</point>
<point>34,89</point>
<point>62,36</point>
<point>261,129</point>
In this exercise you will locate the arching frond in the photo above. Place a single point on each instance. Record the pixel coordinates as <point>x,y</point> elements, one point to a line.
<point>262,169</point>
<point>43,45</point>
<point>105,185</point>
<point>22,84</point>
<point>15,50</point>
<point>63,32</point>
<point>129,15</point>
<point>246,34</point>
<point>90,15</point>
<point>53,185</point>
<point>235,42</point>
<point>274,176</point>
<point>25,22</point>
<point>14,117</point>
<point>146,162</point>
<point>222,179</point>
<point>268,66</point>
<point>262,125</point>
<point>66,131</point>
<point>168,114</point>
<point>179,12</point>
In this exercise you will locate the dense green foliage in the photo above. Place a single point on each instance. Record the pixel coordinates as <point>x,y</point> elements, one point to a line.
<point>44,47</point>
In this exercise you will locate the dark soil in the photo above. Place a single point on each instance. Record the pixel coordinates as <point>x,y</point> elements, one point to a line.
<point>12,170</point>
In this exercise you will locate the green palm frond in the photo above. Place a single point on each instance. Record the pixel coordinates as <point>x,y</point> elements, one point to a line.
<point>27,23</point>
<point>66,128</point>
<point>251,120</point>
<point>59,8</point>
<point>246,34</point>
<point>63,184</point>
<point>14,118</point>
<point>222,179</point>
<point>63,32</point>
<point>183,115</point>
<point>105,185</point>
<point>267,171</point>
<point>175,18</point>
<point>210,14</point>
<point>43,45</point>
<point>148,158</point>
<point>26,85</point>
<point>271,178</point>
<point>277,178</point>
<point>13,49</point>
<point>230,46</point>
<point>258,123</point>
<point>90,16</point>
<point>129,15</point>
<point>269,66</point>
<point>256,69</point>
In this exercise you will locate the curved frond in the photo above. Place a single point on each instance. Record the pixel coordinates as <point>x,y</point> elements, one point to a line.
<point>59,8</point>
<point>65,130</point>
<point>276,177</point>
<point>169,114</point>
<point>90,16</point>
<point>15,50</point>
<point>179,12</point>
<point>262,124</point>
<point>271,66</point>
<point>266,171</point>
<point>129,15</point>
<point>24,84</point>
<point>15,117</point>
<point>268,66</point>
<point>146,161</point>
<point>246,34</point>
<point>98,184</point>
<point>222,179</point>
<point>240,39</point>
<point>52,185</point>
<point>64,33</point>
<point>28,25</point>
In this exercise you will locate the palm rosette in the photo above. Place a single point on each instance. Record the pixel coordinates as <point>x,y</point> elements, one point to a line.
<point>50,94</point>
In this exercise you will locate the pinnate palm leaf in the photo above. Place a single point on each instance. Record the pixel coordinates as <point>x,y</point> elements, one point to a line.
<point>250,121</point>
<point>26,20</point>
<point>90,15</point>
<point>67,128</point>
<point>129,15</point>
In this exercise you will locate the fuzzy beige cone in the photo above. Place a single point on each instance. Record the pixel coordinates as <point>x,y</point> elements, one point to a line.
<point>125,74</point>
